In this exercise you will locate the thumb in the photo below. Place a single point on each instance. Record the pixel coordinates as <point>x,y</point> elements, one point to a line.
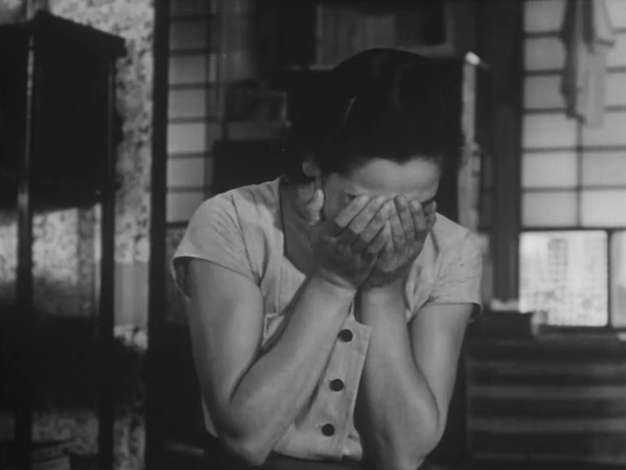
<point>314,207</point>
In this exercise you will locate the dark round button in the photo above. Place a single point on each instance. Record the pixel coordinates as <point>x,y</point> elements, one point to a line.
<point>345,335</point>
<point>328,430</point>
<point>336,385</point>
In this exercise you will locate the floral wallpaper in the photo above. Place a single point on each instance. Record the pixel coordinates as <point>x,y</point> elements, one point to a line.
<point>65,248</point>
<point>132,20</point>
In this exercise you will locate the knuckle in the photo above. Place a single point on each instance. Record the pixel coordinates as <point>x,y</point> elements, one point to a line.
<point>367,236</point>
<point>381,215</point>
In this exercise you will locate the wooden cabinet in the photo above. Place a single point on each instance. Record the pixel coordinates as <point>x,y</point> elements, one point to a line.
<point>58,134</point>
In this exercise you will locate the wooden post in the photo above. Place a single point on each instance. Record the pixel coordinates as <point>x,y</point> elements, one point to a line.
<point>158,223</point>
<point>501,46</point>
<point>106,318</point>
<point>24,279</point>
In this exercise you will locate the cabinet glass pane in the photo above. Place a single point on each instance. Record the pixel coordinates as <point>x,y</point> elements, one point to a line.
<point>239,66</point>
<point>617,12</point>
<point>544,54</point>
<point>188,34</point>
<point>190,7</point>
<point>612,132</point>
<point>548,130</point>
<point>617,54</point>
<point>543,92</point>
<point>185,172</point>
<point>541,16</point>
<point>549,170</point>
<point>188,69</point>
<point>187,103</point>
<point>564,274</point>
<point>618,279</point>
<point>549,209</point>
<point>603,208</point>
<point>616,88</point>
<point>181,206</point>
<point>604,169</point>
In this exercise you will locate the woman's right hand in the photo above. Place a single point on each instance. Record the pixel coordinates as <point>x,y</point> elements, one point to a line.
<point>347,247</point>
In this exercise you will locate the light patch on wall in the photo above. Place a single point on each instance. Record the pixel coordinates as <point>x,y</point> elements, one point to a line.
<point>565,275</point>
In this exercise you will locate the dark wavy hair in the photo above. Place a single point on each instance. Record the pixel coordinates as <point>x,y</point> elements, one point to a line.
<point>380,103</point>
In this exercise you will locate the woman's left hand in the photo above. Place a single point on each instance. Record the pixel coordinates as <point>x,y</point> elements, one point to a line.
<point>410,225</point>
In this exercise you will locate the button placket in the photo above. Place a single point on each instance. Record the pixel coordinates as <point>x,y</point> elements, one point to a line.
<point>346,335</point>
<point>337,385</point>
<point>328,430</point>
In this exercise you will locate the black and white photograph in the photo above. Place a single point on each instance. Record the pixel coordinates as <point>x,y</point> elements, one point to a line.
<point>313,234</point>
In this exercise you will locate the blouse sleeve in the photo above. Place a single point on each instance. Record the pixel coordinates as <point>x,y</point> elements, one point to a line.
<point>213,234</point>
<point>460,282</point>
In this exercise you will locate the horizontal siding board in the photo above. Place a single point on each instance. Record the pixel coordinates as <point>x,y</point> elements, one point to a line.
<point>548,409</point>
<point>485,377</point>
<point>557,393</point>
<point>612,352</point>
<point>594,446</point>
<point>527,425</point>
<point>505,366</point>
<point>553,401</point>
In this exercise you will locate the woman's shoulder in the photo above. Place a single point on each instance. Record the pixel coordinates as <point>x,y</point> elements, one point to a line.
<point>246,205</point>
<point>454,242</point>
<point>449,234</point>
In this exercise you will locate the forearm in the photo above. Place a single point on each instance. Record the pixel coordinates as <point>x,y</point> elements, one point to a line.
<point>276,386</point>
<point>396,408</point>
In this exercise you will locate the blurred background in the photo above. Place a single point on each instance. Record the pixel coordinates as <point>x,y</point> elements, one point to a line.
<point>119,117</point>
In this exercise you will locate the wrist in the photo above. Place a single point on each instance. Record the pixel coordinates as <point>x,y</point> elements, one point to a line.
<point>392,288</point>
<point>331,286</point>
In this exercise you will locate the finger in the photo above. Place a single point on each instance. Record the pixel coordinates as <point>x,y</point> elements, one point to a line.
<point>376,224</point>
<point>419,219</point>
<point>430,223</point>
<point>432,218</point>
<point>389,248</point>
<point>430,208</point>
<point>362,219</point>
<point>382,239</point>
<point>404,212</point>
<point>397,232</point>
<point>348,213</point>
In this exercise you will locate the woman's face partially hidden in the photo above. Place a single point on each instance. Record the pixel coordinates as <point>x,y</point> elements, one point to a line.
<point>417,179</point>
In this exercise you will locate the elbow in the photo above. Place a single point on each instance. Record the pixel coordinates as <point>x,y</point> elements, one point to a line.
<point>249,450</point>
<point>432,432</point>
<point>428,437</point>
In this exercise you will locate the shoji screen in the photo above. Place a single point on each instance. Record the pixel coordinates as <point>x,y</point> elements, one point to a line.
<point>192,125</point>
<point>573,181</point>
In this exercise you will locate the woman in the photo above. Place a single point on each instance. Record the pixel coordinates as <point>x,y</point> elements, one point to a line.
<point>327,308</point>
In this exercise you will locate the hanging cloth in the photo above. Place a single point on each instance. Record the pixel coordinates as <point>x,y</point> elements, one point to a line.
<point>588,36</point>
